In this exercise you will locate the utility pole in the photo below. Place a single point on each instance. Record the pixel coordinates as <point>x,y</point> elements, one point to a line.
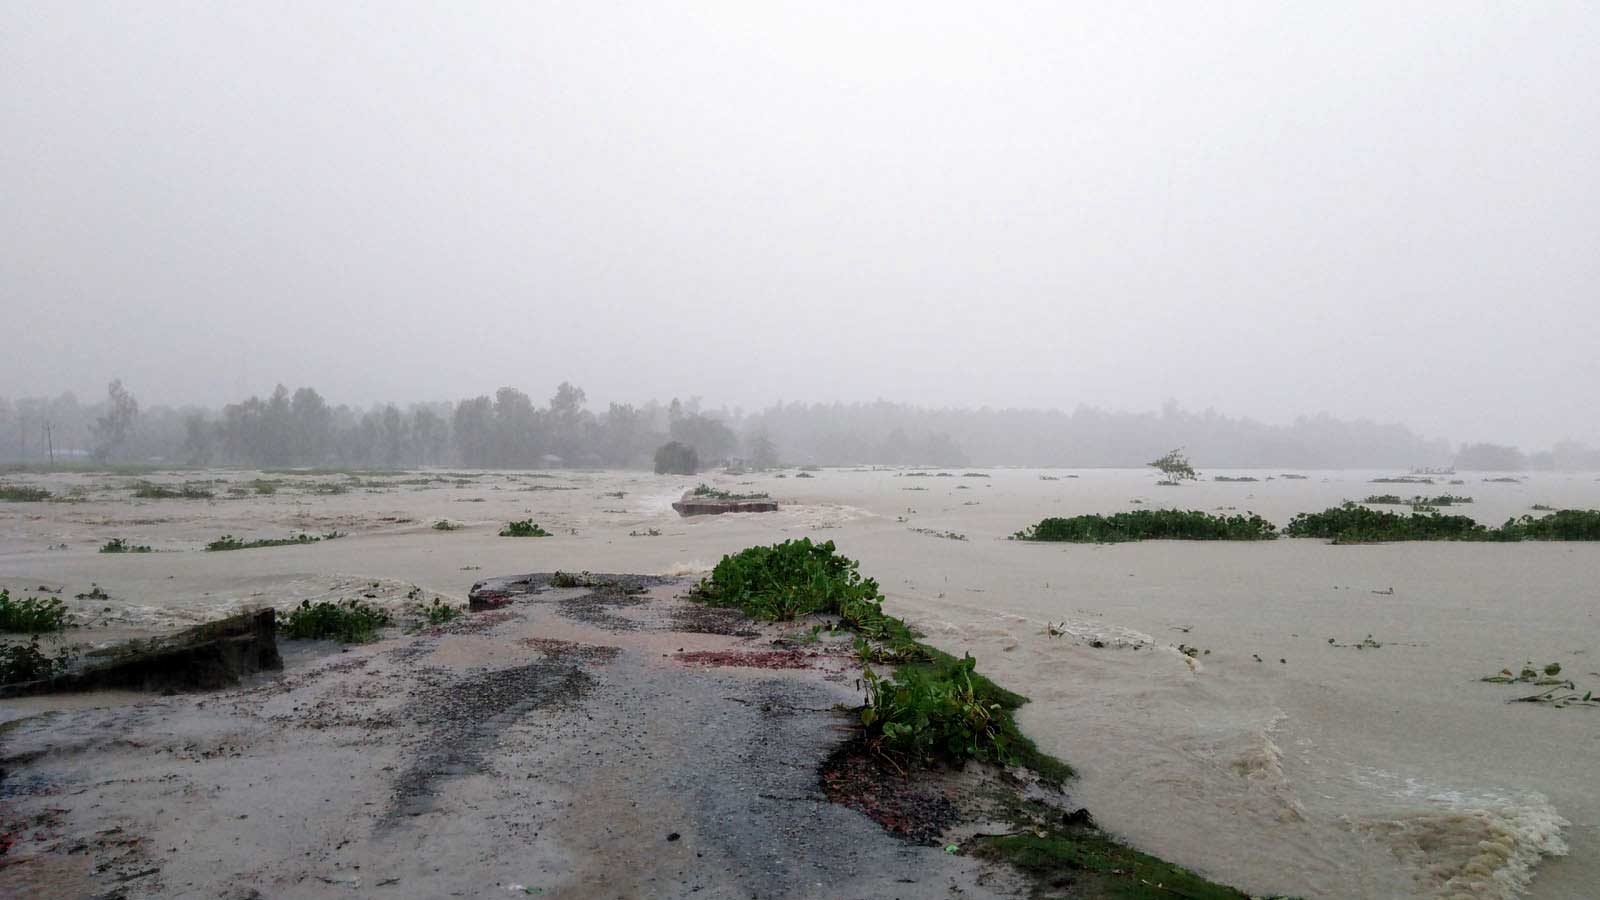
<point>50,442</point>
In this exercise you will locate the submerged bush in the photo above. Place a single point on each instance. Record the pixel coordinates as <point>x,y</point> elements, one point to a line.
<point>1150,524</point>
<point>31,615</point>
<point>26,662</point>
<point>674,458</point>
<point>706,490</point>
<point>19,493</point>
<point>1352,524</point>
<point>118,545</point>
<point>229,542</point>
<point>150,491</point>
<point>349,621</point>
<point>524,528</point>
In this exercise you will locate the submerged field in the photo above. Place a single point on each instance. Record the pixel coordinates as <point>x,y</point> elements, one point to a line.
<point>1290,715</point>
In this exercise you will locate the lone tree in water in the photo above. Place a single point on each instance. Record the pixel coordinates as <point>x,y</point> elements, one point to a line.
<point>1175,468</point>
<point>675,458</point>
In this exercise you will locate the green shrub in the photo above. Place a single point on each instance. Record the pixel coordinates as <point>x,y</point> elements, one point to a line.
<point>524,528</point>
<point>150,491</point>
<point>921,715</point>
<point>706,490</point>
<point>349,621</point>
<point>261,486</point>
<point>1352,524</point>
<point>674,458</point>
<point>1562,525</point>
<point>438,613</point>
<point>1151,524</point>
<point>118,545</point>
<point>785,580</point>
<point>446,525</point>
<point>229,542</point>
<point>26,662</point>
<point>19,493</point>
<point>32,615</point>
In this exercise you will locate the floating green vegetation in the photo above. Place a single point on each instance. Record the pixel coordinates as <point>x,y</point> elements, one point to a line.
<point>229,542</point>
<point>1504,479</point>
<point>327,487</point>
<point>1234,478</point>
<point>1353,524</point>
<point>1541,507</point>
<point>1417,500</point>
<point>947,535</point>
<point>21,493</point>
<point>1150,524</point>
<point>711,493</point>
<point>1293,476</point>
<point>446,525</point>
<point>147,490</point>
<point>348,621</point>
<point>32,615</point>
<point>648,532</point>
<point>95,592</point>
<point>1559,692</point>
<point>524,528</point>
<point>263,487</point>
<point>21,663</point>
<point>1403,479</point>
<point>1366,643</point>
<point>118,545</point>
<point>799,475</point>
<point>974,475</point>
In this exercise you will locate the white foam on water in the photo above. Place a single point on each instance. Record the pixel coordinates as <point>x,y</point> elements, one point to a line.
<point>1465,845</point>
<point>692,567</point>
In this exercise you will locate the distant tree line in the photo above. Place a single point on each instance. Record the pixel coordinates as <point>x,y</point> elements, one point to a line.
<point>509,430</point>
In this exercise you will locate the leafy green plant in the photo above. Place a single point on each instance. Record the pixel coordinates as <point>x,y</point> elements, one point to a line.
<point>150,491</point>
<point>648,532</point>
<point>706,490</point>
<point>1353,524</point>
<point>1174,468</point>
<point>923,714</point>
<point>524,528</point>
<point>436,613</point>
<point>26,662</point>
<point>118,545</point>
<point>1150,524</point>
<point>229,542</point>
<point>32,615</point>
<point>95,592</point>
<point>446,525</point>
<point>1234,478</point>
<point>348,621</point>
<point>19,493</point>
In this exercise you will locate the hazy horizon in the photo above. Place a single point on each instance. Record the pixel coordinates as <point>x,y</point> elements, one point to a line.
<point>1374,211</point>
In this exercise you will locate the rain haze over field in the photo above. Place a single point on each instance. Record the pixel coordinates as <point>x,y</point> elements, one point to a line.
<point>392,276</point>
<point>1373,210</point>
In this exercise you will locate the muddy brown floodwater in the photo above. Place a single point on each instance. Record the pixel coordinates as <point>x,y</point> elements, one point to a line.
<point>1284,756</point>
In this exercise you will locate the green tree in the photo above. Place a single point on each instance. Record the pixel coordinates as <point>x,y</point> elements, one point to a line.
<point>1174,467</point>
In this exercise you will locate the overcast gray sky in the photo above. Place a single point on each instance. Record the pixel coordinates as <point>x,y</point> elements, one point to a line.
<point>1386,210</point>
